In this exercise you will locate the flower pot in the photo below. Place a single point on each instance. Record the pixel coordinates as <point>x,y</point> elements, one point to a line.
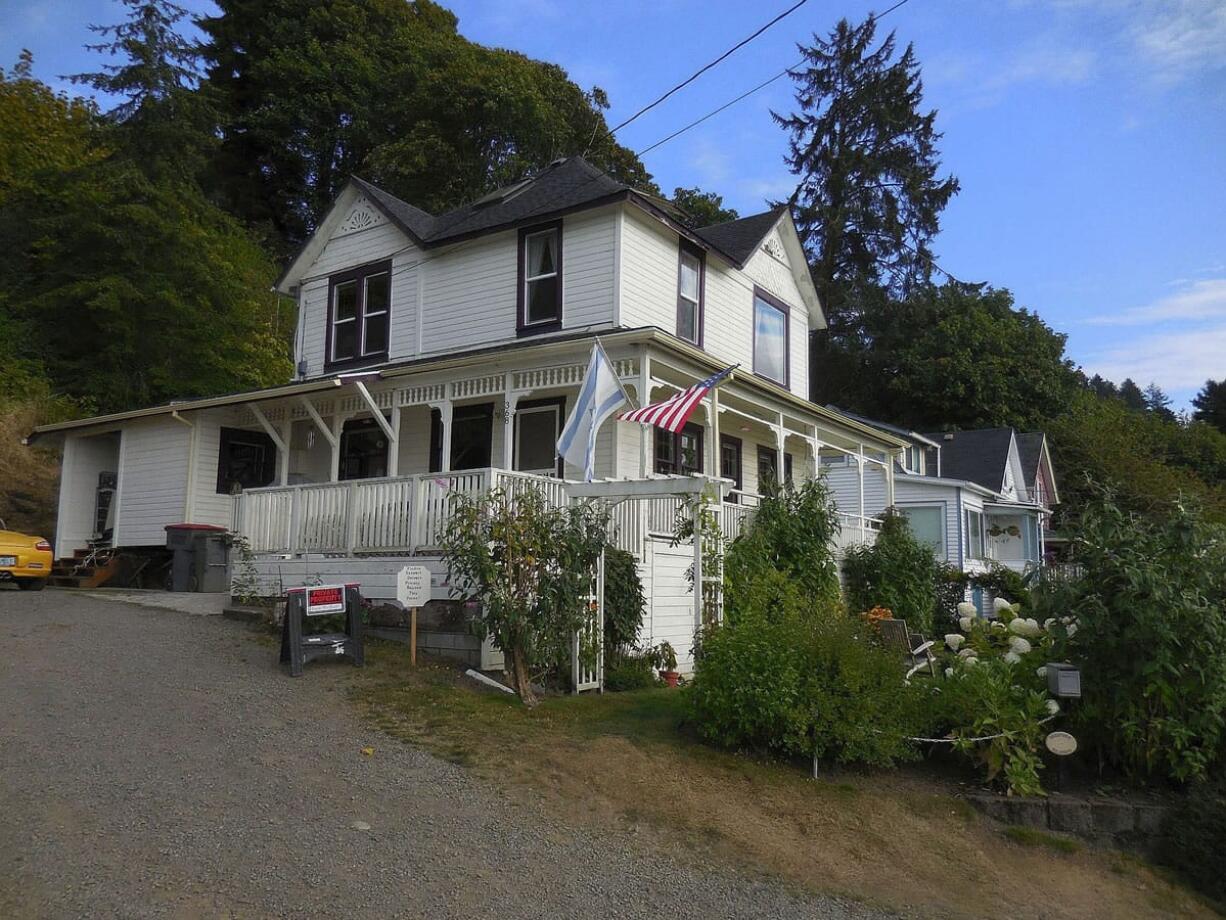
<point>670,677</point>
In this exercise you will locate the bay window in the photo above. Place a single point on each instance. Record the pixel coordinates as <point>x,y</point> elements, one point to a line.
<point>359,310</point>
<point>540,279</point>
<point>770,337</point>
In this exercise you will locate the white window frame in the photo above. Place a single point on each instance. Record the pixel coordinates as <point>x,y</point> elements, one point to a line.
<point>939,508</point>
<point>366,315</point>
<point>556,233</point>
<point>762,300</point>
<point>983,543</point>
<point>694,303</point>
<point>556,411</point>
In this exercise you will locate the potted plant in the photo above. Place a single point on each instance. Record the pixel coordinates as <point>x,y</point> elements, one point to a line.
<point>664,660</point>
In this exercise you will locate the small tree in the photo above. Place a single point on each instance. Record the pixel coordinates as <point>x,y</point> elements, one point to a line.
<point>898,572</point>
<point>529,566</point>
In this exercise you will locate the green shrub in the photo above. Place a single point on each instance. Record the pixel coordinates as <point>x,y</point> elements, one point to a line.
<point>801,686</point>
<point>1147,625</point>
<point>629,672</point>
<point>623,601</point>
<point>898,572</point>
<point>783,564</point>
<point>1194,837</point>
<point>1002,581</point>
<point>951,584</point>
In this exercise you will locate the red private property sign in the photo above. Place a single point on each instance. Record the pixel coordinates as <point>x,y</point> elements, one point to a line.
<point>325,599</point>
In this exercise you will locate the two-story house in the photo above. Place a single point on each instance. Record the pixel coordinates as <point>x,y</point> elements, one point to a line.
<point>437,353</point>
<point>980,497</point>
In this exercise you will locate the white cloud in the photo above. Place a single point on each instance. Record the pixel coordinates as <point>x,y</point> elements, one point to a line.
<point>1183,37</point>
<point>982,82</point>
<point>1193,301</point>
<point>1176,360</point>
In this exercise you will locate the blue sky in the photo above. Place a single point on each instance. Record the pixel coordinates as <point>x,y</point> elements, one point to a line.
<point>1089,137</point>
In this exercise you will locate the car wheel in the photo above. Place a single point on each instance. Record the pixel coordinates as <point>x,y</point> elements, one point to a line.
<point>31,584</point>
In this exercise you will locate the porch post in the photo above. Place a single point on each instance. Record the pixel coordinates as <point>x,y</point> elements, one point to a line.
<point>444,411</point>
<point>393,447</point>
<point>889,481</point>
<point>697,562</point>
<point>644,398</point>
<point>338,426</point>
<point>715,454</point>
<point>287,432</point>
<point>509,402</point>
<point>860,467</point>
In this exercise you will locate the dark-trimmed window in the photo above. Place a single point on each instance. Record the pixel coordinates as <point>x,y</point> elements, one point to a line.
<point>472,430</point>
<point>770,337</point>
<point>363,450</point>
<point>359,313</point>
<point>540,278</point>
<point>768,469</point>
<point>730,463</point>
<point>538,425</point>
<point>246,459</point>
<point>680,452</point>
<point>690,282</point>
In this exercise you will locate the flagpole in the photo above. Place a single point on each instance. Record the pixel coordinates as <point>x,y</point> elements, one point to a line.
<point>616,375</point>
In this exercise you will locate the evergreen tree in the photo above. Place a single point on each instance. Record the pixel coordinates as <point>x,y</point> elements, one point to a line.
<point>1210,404</point>
<point>869,197</point>
<point>1103,387</point>
<point>702,208</point>
<point>1157,402</point>
<point>1131,394</point>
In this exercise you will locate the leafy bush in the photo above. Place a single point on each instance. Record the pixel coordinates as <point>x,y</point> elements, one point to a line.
<point>629,672</point>
<point>529,565</point>
<point>1150,637</point>
<point>951,584</point>
<point>623,602</point>
<point>783,564</point>
<point>1002,581</point>
<point>801,686</point>
<point>898,572</point>
<point>1194,837</point>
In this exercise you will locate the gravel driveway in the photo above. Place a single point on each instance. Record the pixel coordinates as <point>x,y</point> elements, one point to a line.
<point>155,764</point>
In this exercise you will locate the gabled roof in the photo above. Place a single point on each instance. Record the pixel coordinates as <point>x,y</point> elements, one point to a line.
<point>740,238</point>
<point>1032,449</point>
<point>913,436</point>
<point>979,456</point>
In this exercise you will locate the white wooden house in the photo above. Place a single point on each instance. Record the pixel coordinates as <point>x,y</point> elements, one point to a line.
<point>982,498</point>
<point>443,353</point>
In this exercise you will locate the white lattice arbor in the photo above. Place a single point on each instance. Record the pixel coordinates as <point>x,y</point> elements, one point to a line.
<point>640,495</point>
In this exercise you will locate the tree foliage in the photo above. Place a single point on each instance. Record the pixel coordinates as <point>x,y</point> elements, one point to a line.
<point>869,198</point>
<point>897,572</point>
<point>703,208</point>
<point>1210,404</point>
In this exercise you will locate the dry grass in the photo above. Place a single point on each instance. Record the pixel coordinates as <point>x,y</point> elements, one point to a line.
<point>28,475</point>
<point>895,839</point>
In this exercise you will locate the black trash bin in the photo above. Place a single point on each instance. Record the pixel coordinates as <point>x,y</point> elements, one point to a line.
<point>201,557</point>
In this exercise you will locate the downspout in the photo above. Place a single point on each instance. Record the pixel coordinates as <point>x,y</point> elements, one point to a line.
<point>189,498</point>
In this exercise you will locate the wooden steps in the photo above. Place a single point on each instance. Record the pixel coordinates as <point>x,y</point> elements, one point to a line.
<point>73,573</point>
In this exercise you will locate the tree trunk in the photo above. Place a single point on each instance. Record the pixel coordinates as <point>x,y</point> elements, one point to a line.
<point>517,667</point>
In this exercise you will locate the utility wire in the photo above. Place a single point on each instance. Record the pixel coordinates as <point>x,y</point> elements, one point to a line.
<point>700,71</point>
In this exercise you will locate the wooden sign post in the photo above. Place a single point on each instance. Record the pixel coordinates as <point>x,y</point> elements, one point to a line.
<point>413,591</point>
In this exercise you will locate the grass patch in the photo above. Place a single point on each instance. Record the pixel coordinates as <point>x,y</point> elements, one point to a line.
<point>1033,837</point>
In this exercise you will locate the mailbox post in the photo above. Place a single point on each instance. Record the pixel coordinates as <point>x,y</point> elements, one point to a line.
<point>322,600</point>
<point>413,592</point>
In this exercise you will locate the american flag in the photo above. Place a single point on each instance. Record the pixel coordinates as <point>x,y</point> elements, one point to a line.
<point>674,412</point>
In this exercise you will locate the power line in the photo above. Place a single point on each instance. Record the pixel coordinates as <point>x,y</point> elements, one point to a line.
<point>700,71</point>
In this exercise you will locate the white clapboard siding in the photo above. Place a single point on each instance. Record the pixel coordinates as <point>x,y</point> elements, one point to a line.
<point>670,611</point>
<point>84,459</point>
<point>208,505</point>
<point>910,494</point>
<point>588,249</point>
<point>649,273</point>
<point>153,480</point>
<point>844,482</point>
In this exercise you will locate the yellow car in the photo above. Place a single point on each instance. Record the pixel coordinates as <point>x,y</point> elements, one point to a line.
<point>24,559</point>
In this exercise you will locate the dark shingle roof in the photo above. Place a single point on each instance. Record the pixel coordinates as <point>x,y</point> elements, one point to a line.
<point>1029,449</point>
<point>977,456</point>
<point>740,238</point>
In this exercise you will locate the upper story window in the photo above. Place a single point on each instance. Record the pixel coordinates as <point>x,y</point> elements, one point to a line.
<point>359,310</point>
<point>770,337</point>
<point>540,278</point>
<point>689,294</point>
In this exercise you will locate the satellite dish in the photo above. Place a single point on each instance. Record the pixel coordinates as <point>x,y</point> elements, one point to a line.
<point>1061,743</point>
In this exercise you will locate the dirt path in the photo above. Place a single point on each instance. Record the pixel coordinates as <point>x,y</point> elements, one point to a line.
<point>154,764</point>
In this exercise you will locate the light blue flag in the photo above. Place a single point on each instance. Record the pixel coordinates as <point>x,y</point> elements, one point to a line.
<point>600,396</point>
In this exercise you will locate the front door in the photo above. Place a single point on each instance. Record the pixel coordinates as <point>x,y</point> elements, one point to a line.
<point>363,450</point>
<point>538,424</point>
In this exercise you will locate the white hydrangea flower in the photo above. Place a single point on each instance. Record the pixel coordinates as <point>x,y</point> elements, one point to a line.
<point>971,661</point>
<point>1071,630</point>
<point>1053,707</point>
<point>949,672</point>
<point>967,610</point>
<point>1019,645</point>
<point>967,652</point>
<point>1012,657</point>
<point>997,624</point>
<point>1040,671</point>
<point>1025,627</point>
<point>954,640</point>
<point>1000,604</point>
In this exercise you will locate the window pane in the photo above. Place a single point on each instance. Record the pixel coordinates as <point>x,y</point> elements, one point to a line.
<point>768,469</point>
<point>687,319</point>
<point>730,462</point>
<point>542,254</point>
<point>344,340</point>
<point>689,276</point>
<point>376,335</point>
<point>346,294</point>
<point>471,430</point>
<point>543,300</point>
<point>926,525</point>
<point>691,449</point>
<point>537,431</point>
<point>666,444</point>
<point>378,290</point>
<point>770,341</point>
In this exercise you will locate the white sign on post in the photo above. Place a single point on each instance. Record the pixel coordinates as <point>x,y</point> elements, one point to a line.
<point>413,586</point>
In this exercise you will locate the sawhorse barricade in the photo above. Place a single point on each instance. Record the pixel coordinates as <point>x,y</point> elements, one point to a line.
<point>323,600</point>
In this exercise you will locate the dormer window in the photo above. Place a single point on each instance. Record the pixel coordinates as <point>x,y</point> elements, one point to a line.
<point>689,295</point>
<point>770,337</point>
<point>358,314</point>
<point>540,279</point>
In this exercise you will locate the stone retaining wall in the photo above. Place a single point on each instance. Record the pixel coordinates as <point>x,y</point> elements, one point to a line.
<point>1121,822</point>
